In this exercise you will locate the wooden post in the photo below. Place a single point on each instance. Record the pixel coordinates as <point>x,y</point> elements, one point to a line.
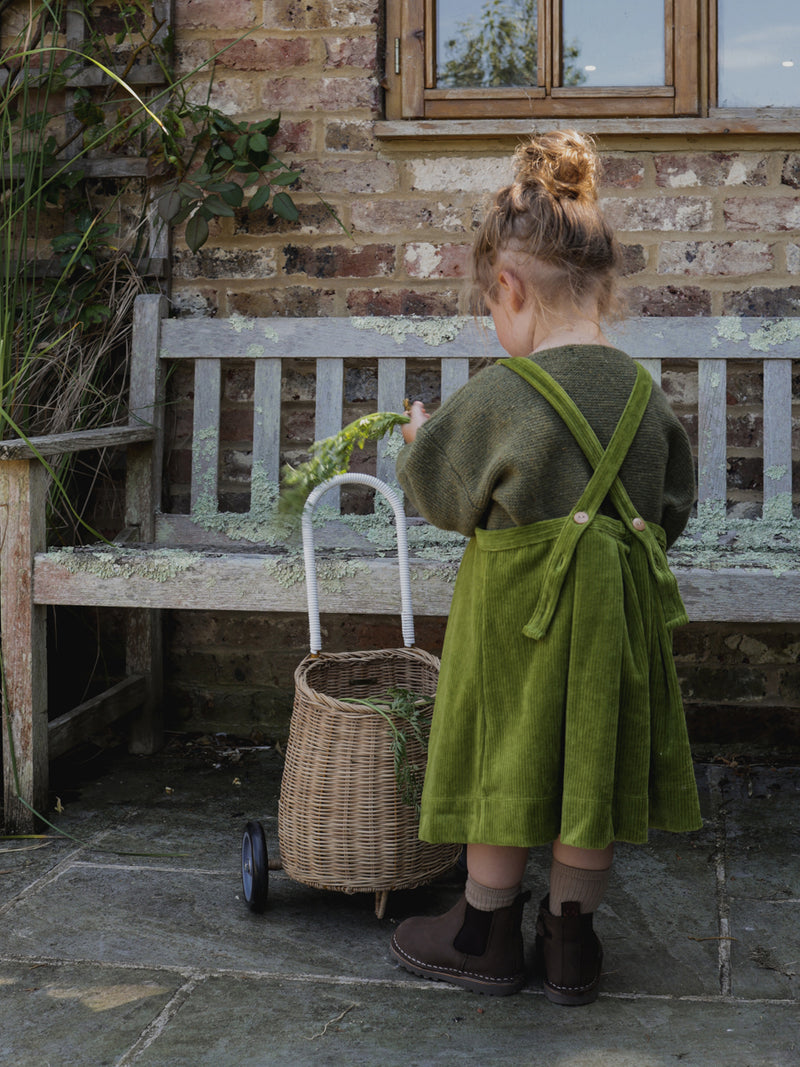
<point>23,492</point>
<point>142,500</point>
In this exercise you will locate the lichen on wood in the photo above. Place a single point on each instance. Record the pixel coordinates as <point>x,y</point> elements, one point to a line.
<point>432,330</point>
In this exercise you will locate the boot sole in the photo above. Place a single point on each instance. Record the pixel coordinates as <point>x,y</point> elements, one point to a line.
<point>571,999</point>
<point>476,983</point>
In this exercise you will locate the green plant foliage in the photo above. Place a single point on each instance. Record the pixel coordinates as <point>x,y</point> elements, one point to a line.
<point>235,156</point>
<point>331,457</point>
<point>71,246</point>
<point>408,716</point>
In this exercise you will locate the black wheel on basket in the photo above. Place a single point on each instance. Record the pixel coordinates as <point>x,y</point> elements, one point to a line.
<point>255,866</point>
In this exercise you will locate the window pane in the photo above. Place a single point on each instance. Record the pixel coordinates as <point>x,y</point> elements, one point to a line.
<point>486,43</point>
<point>616,42</point>
<point>759,53</point>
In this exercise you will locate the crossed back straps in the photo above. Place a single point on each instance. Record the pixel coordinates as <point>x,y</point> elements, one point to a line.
<point>603,483</point>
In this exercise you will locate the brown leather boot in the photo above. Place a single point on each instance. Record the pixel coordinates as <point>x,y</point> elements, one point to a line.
<point>479,950</point>
<point>569,954</point>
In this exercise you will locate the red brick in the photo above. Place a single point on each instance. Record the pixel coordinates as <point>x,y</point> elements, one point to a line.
<point>237,388</point>
<point>224,263</point>
<point>349,137</point>
<point>770,215</point>
<point>270,54</point>
<point>760,301</point>
<point>205,14</point>
<point>683,170</point>
<point>287,302</point>
<point>320,14</point>
<point>634,259</point>
<point>341,94</point>
<point>389,216</point>
<point>623,172</point>
<point>328,94</point>
<point>790,174</point>
<point>188,302</point>
<point>402,302</point>
<point>352,13</point>
<point>294,15</point>
<point>231,94</point>
<point>351,52</point>
<point>362,176</point>
<point>666,213</point>
<point>722,258</point>
<point>314,218</point>
<point>335,261</point>
<point>294,137</point>
<point>668,300</point>
<point>424,260</point>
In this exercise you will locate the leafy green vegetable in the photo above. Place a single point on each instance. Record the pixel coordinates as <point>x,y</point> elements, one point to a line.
<point>408,715</point>
<point>331,457</point>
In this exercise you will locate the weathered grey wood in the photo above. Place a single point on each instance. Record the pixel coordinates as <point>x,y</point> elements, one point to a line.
<point>93,715</point>
<point>267,420</point>
<point>59,444</point>
<point>455,373</point>
<point>777,429</point>
<point>653,367</point>
<point>205,433</point>
<point>711,433</point>
<point>146,409</point>
<point>23,496</point>
<point>245,582</point>
<point>235,575</point>
<point>391,392</point>
<point>328,407</point>
<point>320,339</point>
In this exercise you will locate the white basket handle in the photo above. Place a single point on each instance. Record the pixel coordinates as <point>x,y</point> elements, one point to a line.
<point>406,617</point>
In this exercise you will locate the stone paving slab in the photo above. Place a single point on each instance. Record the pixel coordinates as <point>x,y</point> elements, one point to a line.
<point>131,944</point>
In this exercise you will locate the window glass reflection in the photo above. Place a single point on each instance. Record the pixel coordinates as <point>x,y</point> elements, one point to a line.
<point>485,43</point>
<point>758,53</point>
<point>616,42</point>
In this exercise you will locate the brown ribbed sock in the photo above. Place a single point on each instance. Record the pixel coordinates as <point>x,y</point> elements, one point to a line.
<point>577,884</point>
<point>484,898</point>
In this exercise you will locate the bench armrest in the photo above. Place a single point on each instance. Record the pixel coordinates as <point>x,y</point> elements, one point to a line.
<point>77,441</point>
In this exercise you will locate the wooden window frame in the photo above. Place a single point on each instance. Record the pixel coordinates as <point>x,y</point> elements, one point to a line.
<point>411,94</point>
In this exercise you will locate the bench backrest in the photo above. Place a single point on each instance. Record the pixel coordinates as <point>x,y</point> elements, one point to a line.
<point>707,353</point>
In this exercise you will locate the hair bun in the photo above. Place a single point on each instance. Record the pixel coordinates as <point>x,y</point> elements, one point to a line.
<point>564,163</point>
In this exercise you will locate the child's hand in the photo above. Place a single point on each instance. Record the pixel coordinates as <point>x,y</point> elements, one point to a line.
<point>418,416</point>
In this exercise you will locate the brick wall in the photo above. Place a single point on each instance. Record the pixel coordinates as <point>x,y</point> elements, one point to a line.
<point>709,226</point>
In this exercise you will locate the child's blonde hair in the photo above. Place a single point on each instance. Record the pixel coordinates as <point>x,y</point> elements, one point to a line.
<point>548,222</point>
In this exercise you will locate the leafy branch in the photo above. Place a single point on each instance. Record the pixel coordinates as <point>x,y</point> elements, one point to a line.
<point>331,456</point>
<point>408,716</point>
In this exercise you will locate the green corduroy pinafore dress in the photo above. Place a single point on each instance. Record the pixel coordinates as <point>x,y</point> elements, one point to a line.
<point>558,710</point>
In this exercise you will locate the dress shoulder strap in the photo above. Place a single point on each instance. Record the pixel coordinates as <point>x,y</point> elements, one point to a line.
<point>604,482</point>
<point>609,459</point>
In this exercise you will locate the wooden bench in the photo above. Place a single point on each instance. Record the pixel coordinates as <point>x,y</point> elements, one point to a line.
<point>729,567</point>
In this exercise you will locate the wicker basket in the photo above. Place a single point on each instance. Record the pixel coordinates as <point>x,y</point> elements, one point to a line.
<point>341,821</point>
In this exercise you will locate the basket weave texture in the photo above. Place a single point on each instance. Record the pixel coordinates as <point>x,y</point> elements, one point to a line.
<point>341,822</point>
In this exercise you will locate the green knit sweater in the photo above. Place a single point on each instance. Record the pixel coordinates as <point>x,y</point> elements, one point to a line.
<point>496,455</point>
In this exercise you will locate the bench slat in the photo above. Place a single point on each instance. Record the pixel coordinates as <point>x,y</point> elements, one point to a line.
<point>391,392</point>
<point>777,428</point>
<point>328,408</point>
<point>239,338</point>
<point>653,367</point>
<point>240,583</point>
<point>711,433</point>
<point>267,420</point>
<point>205,448</point>
<point>455,373</point>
